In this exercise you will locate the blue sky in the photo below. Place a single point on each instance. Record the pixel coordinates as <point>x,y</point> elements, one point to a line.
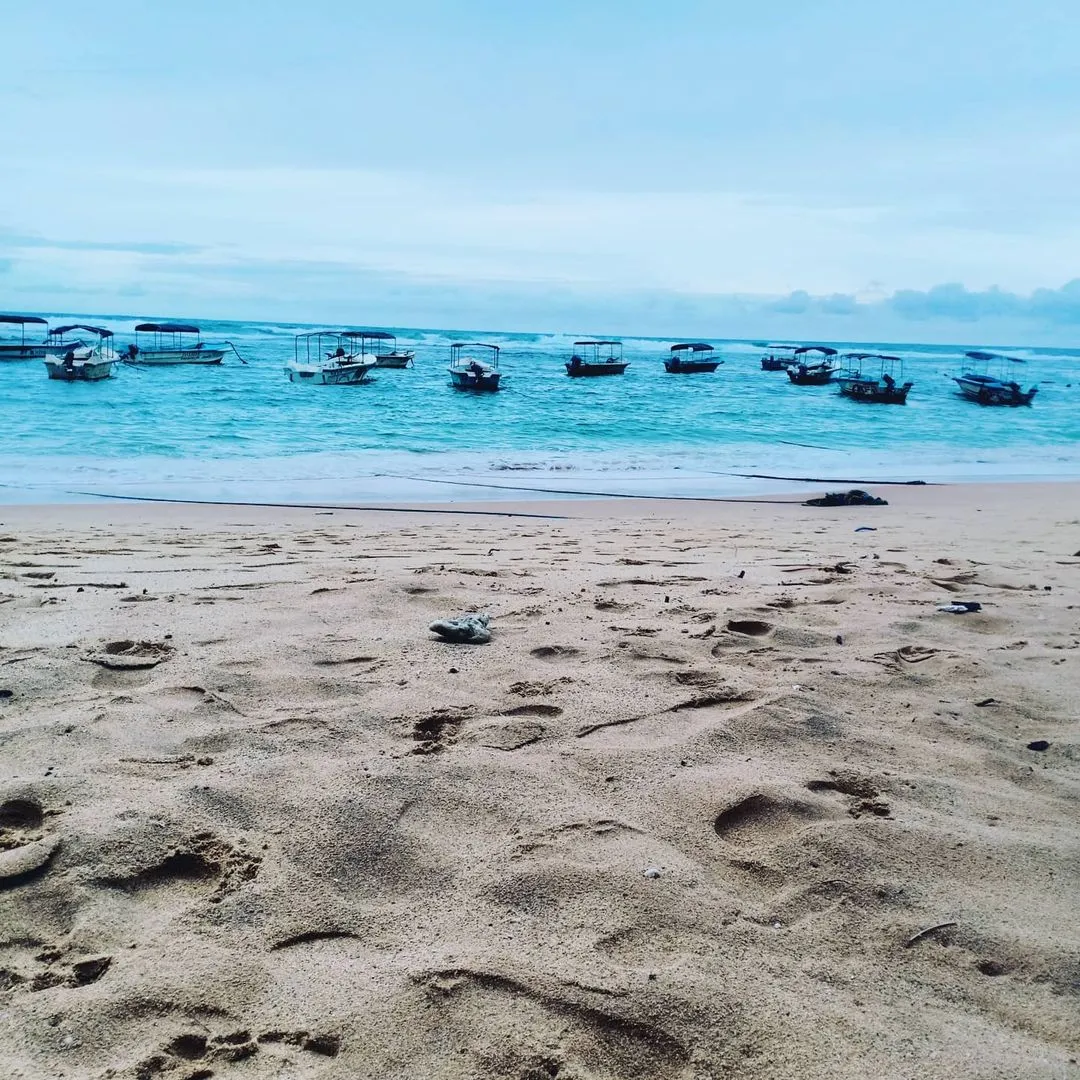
<point>834,169</point>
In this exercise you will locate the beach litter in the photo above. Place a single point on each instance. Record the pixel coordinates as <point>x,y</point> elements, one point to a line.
<point>469,629</point>
<point>854,497</point>
<point>1039,745</point>
<point>962,607</point>
<point>866,528</point>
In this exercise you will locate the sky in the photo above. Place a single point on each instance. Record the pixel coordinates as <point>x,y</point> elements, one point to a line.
<point>832,170</point>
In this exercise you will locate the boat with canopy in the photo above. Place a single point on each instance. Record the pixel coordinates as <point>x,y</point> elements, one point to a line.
<point>886,388</point>
<point>690,358</point>
<point>467,372</point>
<point>593,358</point>
<point>778,357</point>
<point>980,386</point>
<point>807,370</point>
<point>170,343</point>
<point>329,358</point>
<point>382,345</point>
<point>23,349</point>
<point>74,358</point>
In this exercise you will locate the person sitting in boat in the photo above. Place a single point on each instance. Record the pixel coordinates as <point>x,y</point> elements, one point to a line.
<point>69,360</point>
<point>132,351</point>
<point>889,381</point>
<point>575,363</point>
<point>476,367</point>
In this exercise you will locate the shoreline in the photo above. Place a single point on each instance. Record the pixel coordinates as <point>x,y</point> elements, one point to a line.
<point>912,496</point>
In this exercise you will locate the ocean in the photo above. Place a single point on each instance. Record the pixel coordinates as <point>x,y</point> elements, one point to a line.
<point>243,432</point>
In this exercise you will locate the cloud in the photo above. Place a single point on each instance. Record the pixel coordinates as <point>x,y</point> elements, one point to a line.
<point>955,302</point>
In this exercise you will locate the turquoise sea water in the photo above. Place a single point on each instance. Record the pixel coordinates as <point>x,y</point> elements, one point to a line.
<point>244,432</point>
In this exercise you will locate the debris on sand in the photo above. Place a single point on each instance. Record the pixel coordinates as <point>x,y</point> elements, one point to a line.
<point>469,629</point>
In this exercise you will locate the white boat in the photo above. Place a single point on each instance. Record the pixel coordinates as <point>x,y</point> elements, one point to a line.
<point>73,359</point>
<point>23,349</point>
<point>170,343</point>
<point>469,373</point>
<point>983,388</point>
<point>329,358</point>
<point>382,345</point>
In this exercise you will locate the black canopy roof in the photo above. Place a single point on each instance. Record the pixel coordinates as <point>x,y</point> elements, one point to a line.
<point>994,356</point>
<point>59,330</point>
<point>371,335</point>
<point>474,345</point>
<point>22,320</point>
<point>693,346</point>
<point>166,328</point>
<point>597,342</point>
<point>824,349</point>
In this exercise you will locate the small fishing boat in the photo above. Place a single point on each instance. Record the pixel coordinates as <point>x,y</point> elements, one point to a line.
<point>808,371</point>
<point>330,358</point>
<point>469,373</point>
<point>383,346</point>
<point>985,389</point>
<point>170,343</point>
<point>593,358</point>
<point>882,389</point>
<point>23,349</point>
<point>73,359</point>
<point>690,358</point>
<point>778,357</point>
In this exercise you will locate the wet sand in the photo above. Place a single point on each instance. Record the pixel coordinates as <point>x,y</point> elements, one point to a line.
<point>726,795</point>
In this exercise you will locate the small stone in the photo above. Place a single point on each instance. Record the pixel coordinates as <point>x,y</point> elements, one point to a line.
<point>1038,744</point>
<point>652,872</point>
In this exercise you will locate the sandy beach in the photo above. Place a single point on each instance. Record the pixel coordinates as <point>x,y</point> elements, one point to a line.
<point>725,796</point>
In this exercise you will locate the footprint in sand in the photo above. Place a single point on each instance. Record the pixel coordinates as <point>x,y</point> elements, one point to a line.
<point>538,689</point>
<point>194,1047</point>
<point>435,732</point>
<point>750,627</point>
<point>202,862</point>
<point>623,1035</point>
<point>51,972</point>
<point>761,818</point>
<point>131,655</point>
<point>25,850</point>
<point>862,795</point>
<point>555,652</point>
<point>533,710</point>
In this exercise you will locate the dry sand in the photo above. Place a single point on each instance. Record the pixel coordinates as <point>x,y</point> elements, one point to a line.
<point>685,816</point>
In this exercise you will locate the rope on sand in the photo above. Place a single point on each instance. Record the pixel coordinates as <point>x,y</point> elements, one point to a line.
<point>314,506</point>
<point>822,480</point>
<point>591,494</point>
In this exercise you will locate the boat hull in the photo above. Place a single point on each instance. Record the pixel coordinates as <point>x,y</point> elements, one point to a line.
<point>485,382</point>
<point>394,360</point>
<point>769,364</point>
<point>690,367</point>
<point>345,375</point>
<point>871,392</point>
<point>80,370</point>
<point>22,352</point>
<point>163,357</point>
<point>592,371</point>
<point>984,390</point>
<point>811,377</point>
